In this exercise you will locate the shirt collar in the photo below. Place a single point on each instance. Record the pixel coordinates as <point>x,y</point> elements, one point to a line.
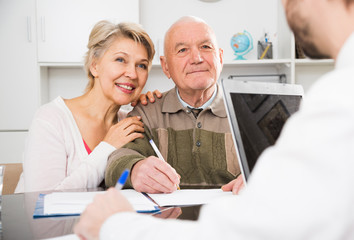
<point>205,105</point>
<point>172,104</point>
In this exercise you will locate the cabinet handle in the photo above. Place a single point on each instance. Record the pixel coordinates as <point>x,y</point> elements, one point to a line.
<point>43,28</point>
<point>29,30</point>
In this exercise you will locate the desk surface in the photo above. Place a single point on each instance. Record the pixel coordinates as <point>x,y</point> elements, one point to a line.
<point>18,223</point>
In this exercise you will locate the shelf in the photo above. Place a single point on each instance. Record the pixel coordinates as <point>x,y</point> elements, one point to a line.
<point>247,62</point>
<point>61,64</point>
<point>311,62</point>
<point>257,62</point>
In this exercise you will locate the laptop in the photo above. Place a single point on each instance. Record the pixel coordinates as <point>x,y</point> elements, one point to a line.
<point>257,112</point>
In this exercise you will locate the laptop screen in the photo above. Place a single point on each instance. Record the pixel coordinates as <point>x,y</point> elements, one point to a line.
<point>260,118</point>
<point>257,113</point>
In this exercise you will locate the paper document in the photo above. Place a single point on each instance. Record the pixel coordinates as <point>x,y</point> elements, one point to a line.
<point>76,202</point>
<point>189,197</point>
<point>65,237</point>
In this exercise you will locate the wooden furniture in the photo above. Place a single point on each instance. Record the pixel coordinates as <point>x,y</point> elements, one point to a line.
<point>12,174</point>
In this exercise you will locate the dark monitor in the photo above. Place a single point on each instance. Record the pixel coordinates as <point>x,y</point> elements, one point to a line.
<point>257,112</point>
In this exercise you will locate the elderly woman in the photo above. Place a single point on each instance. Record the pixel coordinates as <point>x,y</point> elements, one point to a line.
<point>70,139</point>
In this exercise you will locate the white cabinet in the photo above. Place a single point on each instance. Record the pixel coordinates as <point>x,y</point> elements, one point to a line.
<point>64,25</point>
<point>19,72</point>
<point>19,88</point>
<point>63,32</point>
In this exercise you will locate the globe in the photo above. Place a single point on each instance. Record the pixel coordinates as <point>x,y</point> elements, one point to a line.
<point>242,44</point>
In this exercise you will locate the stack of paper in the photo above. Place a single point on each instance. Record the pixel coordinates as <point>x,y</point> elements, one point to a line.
<point>189,197</point>
<point>74,203</point>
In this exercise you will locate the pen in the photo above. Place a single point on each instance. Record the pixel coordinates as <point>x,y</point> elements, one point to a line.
<point>122,179</point>
<point>153,145</point>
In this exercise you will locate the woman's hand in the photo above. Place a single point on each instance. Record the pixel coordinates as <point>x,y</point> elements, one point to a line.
<point>149,95</point>
<point>125,131</point>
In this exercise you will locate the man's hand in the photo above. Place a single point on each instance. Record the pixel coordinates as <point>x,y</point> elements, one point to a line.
<point>235,185</point>
<point>102,207</point>
<point>153,175</point>
<point>149,95</point>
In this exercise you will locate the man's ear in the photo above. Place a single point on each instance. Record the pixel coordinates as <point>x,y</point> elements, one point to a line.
<point>164,66</point>
<point>221,55</point>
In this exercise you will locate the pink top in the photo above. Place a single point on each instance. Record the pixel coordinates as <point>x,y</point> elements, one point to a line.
<point>87,147</point>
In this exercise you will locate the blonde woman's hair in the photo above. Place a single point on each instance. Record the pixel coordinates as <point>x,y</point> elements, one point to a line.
<point>104,33</point>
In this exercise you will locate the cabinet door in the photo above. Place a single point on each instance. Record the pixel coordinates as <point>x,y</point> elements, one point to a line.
<point>64,25</point>
<point>18,67</point>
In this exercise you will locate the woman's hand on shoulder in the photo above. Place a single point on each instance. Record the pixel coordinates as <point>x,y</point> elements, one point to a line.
<point>147,96</point>
<point>125,131</point>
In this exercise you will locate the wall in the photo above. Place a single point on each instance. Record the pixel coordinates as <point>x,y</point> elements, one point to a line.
<point>226,17</point>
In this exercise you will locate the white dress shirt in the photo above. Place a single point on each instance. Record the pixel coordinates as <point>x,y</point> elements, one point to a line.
<point>301,188</point>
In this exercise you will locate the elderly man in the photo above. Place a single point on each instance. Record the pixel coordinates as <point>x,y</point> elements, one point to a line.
<point>189,123</point>
<point>302,188</point>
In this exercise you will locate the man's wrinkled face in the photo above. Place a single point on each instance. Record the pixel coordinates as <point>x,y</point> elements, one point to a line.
<point>193,59</point>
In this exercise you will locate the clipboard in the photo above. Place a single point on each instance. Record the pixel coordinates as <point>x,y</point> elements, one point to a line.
<point>39,211</point>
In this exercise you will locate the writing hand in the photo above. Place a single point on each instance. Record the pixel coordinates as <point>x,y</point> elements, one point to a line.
<point>152,175</point>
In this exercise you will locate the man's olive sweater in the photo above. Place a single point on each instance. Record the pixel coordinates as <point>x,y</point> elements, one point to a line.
<point>201,150</point>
